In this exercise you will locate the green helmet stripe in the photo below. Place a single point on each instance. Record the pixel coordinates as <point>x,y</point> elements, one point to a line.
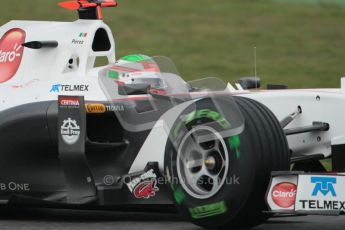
<point>135,58</point>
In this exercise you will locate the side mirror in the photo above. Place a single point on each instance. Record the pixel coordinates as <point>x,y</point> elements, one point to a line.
<point>134,89</point>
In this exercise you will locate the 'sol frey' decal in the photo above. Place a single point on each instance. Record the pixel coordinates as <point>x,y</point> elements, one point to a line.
<point>11,53</point>
<point>145,186</point>
<point>70,131</point>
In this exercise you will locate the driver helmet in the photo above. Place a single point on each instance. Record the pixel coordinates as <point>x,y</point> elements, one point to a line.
<point>138,69</point>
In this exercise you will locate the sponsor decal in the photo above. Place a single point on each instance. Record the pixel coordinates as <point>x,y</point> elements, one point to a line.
<point>102,108</point>
<point>69,101</point>
<point>57,88</point>
<point>284,194</point>
<point>324,185</point>
<point>70,131</point>
<point>22,86</point>
<point>144,186</point>
<point>321,193</point>
<point>208,210</point>
<point>11,53</point>
<point>95,108</point>
<point>323,205</point>
<point>115,108</point>
<point>13,186</point>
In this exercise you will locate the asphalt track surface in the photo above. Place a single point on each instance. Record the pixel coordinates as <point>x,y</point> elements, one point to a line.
<point>84,220</point>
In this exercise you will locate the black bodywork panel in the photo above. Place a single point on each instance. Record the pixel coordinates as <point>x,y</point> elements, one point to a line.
<point>36,170</point>
<point>32,171</point>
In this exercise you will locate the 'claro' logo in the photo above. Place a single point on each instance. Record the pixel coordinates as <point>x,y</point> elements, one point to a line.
<point>284,194</point>
<point>11,53</point>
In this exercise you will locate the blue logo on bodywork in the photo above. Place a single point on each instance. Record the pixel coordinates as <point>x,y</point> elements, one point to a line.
<point>324,185</point>
<point>55,88</point>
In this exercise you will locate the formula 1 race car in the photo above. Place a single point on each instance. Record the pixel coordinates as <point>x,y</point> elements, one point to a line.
<point>133,135</point>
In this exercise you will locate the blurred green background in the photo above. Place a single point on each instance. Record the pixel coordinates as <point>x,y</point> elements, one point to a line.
<point>299,42</point>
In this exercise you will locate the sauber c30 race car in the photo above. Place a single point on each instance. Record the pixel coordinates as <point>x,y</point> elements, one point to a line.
<point>133,135</point>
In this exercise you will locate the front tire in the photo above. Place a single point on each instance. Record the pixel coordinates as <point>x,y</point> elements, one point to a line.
<point>225,186</point>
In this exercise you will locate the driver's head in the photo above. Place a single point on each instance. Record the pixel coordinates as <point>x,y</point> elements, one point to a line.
<point>137,69</point>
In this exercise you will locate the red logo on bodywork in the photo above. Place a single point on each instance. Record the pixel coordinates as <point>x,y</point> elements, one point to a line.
<point>11,53</point>
<point>69,101</point>
<point>144,186</point>
<point>284,194</point>
<point>146,189</point>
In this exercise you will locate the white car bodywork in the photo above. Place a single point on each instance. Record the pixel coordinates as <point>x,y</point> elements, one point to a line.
<point>323,105</point>
<point>41,69</point>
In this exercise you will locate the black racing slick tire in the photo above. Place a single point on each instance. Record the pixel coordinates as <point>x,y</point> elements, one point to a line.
<point>239,202</point>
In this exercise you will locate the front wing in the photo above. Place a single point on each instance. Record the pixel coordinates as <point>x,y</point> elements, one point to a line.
<point>306,193</point>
